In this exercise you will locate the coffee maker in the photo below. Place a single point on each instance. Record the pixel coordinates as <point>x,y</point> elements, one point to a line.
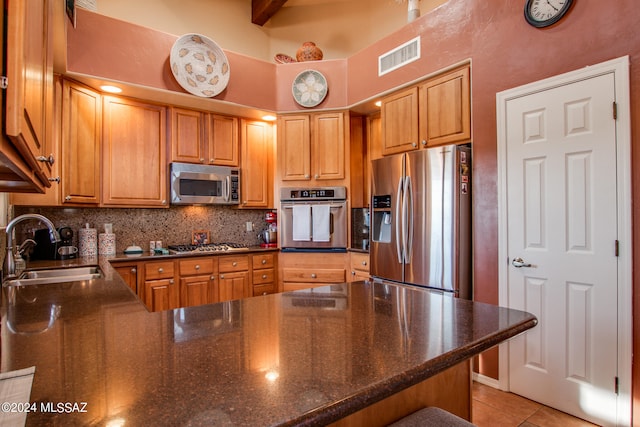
<point>44,249</point>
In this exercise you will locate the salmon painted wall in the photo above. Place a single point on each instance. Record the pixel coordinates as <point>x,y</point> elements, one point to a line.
<point>504,51</point>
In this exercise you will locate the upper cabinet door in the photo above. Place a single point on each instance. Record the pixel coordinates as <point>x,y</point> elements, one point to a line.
<point>222,137</point>
<point>294,148</point>
<point>256,159</point>
<point>29,53</point>
<point>399,113</point>
<point>134,153</point>
<point>445,108</point>
<point>328,150</point>
<point>81,142</point>
<point>187,136</point>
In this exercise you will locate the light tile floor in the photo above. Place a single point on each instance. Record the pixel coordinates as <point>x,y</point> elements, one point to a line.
<point>496,408</point>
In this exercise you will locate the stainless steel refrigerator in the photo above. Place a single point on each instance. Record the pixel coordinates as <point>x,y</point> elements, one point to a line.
<point>421,219</point>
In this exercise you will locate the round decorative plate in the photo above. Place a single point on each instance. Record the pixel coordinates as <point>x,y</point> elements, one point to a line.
<point>199,65</point>
<point>309,88</point>
<point>281,58</point>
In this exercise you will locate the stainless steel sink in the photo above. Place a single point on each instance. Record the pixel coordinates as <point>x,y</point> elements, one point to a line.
<point>56,275</point>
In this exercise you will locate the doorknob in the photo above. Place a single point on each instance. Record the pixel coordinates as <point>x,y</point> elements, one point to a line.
<point>519,263</point>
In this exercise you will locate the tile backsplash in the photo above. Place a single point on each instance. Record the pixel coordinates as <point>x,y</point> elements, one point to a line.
<point>138,226</point>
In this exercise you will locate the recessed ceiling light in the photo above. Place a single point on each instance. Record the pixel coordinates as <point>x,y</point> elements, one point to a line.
<point>378,104</point>
<point>110,89</point>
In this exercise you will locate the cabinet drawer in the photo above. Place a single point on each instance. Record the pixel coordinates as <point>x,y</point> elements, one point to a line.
<point>158,270</point>
<point>359,261</point>
<point>196,266</point>
<point>263,276</point>
<point>262,261</point>
<point>229,264</point>
<point>264,289</point>
<point>310,275</point>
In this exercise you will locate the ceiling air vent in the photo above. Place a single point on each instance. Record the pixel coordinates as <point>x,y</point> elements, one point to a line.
<point>399,57</point>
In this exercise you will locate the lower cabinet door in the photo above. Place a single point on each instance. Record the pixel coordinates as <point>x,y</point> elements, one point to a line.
<point>197,290</point>
<point>161,294</point>
<point>234,286</point>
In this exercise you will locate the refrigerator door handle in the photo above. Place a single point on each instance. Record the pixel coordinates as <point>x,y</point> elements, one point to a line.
<point>408,220</point>
<point>397,220</point>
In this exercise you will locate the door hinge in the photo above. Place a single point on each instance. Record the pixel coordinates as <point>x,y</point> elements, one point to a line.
<point>617,248</point>
<point>615,111</point>
<point>4,82</point>
<point>616,385</point>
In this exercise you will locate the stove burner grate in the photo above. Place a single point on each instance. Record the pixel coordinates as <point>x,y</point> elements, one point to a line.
<point>209,247</point>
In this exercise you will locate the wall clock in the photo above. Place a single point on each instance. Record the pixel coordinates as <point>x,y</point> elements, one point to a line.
<point>542,13</point>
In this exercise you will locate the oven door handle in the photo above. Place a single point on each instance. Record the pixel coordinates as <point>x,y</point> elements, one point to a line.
<point>290,206</point>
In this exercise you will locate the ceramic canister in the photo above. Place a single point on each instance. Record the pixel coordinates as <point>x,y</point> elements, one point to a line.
<point>87,241</point>
<point>107,244</point>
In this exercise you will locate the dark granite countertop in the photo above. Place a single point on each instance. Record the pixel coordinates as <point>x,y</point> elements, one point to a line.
<point>298,358</point>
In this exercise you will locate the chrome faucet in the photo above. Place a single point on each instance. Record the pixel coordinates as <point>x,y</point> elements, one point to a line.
<point>9,268</point>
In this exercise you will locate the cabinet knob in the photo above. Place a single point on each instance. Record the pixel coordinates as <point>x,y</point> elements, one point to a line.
<point>67,198</point>
<point>212,278</point>
<point>197,267</point>
<point>364,262</point>
<point>134,270</point>
<point>265,293</point>
<point>56,179</point>
<point>212,161</point>
<point>414,145</point>
<point>313,275</point>
<point>161,270</point>
<point>171,282</point>
<point>44,159</point>
<point>164,202</point>
<point>201,159</point>
<point>424,142</point>
<point>307,176</point>
<point>264,276</point>
<point>222,276</point>
<point>234,264</point>
<point>316,176</point>
<point>353,273</point>
<point>264,261</point>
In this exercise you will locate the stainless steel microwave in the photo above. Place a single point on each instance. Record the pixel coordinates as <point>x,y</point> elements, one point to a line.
<point>193,184</point>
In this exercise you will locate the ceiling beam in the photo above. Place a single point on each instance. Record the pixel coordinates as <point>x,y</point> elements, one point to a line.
<point>262,10</point>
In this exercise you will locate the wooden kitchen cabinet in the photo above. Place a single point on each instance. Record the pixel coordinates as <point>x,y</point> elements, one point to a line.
<point>81,143</point>
<point>134,154</point>
<point>129,273</point>
<point>160,288</point>
<point>25,145</point>
<point>234,281</point>
<point>308,270</point>
<point>256,160</point>
<point>399,113</point>
<point>434,112</point>
<point>445,102</point>
<point>198,284</point>
<point>311,147</point>
<point>359,266</point>
<point>203,138</point>
<point>264,273</point>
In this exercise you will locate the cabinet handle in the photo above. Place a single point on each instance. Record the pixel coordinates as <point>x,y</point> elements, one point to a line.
<point>197,267</point>
<point>212,278</point>
<point>222,276</point>
<point>414,145</point>
<point>164,202</point>
<point>201,159</point>
<point>264,261</point>
<point>171,282</point>
<point>134,270</point>
<point>316,176</point>
<point>44,159</point>
<point>265,293</point>
<point>313,275</point>
<point>161,270</point>
<point>264,276</point>
<point>67,198</point>
<point>353,273</point>
<point>306,176</point>
<point>364,262</point>
<point>234,264</point>
<point>424,142</point>
<point>56,179</point>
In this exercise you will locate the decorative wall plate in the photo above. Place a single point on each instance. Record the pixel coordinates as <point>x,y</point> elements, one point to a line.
<point>199,65</point>
<point>309,88</point>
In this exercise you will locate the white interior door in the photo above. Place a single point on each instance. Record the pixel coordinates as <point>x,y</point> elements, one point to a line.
<point>562,245</point>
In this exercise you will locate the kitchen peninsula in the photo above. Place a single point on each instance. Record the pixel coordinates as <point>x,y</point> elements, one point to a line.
<point>310,357</point>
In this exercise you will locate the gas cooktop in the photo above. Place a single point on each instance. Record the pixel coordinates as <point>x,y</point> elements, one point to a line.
<point>209,247</point>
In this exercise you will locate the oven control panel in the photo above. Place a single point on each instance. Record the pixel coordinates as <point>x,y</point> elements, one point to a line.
<point>320,193</point>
